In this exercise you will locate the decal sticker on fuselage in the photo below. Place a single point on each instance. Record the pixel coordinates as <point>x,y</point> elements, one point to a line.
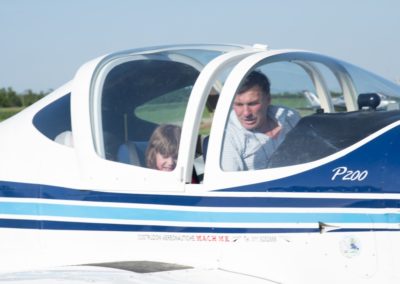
<point>345,174</point>
<point>207,238</point>
<point>350,246</point>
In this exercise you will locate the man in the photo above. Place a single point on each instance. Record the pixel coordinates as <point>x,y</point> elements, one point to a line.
<point>255,127</point>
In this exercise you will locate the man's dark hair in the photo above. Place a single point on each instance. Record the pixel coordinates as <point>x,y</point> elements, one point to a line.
<point>255,78</point>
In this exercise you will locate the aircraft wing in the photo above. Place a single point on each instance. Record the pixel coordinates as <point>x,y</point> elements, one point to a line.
<point>138,272</point>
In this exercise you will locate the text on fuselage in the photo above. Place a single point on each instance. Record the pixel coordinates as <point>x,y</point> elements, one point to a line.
<point>344,173</point>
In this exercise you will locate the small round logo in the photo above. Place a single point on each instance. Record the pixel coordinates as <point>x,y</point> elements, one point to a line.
<point>350,246</point>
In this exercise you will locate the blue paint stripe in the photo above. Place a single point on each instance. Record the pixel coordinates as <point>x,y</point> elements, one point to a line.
<point>20,224</point>
<point>78,211</point>
<point>58,225</point>
<point>23,190</point>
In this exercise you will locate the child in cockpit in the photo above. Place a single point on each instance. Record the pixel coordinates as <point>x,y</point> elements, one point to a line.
<point>162,151</point>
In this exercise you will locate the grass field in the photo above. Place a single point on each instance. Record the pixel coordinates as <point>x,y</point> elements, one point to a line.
<point>162,113</point>
<point>173,112</point>
<point>7,112</point>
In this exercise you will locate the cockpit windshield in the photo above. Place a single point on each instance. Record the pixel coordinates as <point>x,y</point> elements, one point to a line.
<point>143,94</point>
<point>366,82</point>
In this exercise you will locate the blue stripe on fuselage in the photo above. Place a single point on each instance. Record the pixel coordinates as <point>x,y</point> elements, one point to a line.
<point>25,190</point>
<point>117,213</point>
<point>57,225</point>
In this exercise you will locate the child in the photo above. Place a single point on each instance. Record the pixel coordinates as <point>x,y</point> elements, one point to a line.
<point>162,151</point>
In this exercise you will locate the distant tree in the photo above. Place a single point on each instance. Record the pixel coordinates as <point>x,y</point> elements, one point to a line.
<point>29,97</point>
<point>2,97</point>
<point>9,98</point>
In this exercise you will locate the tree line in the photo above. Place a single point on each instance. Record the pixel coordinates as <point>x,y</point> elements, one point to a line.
<point>10,98</point>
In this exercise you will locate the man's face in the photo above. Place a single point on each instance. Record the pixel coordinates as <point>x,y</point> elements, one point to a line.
<point>251,108</point>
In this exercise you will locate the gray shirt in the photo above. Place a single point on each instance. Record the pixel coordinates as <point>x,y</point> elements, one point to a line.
<point>250,150</point>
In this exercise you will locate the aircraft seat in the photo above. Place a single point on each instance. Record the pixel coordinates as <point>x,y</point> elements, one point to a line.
<point>132,153</point>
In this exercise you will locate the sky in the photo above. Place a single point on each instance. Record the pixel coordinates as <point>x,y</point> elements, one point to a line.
<point>44,42</point>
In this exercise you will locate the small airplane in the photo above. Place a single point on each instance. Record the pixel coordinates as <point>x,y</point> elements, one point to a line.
<point>79,203</point>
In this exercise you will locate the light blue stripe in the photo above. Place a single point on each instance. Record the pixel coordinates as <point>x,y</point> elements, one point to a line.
<point>98,212</point>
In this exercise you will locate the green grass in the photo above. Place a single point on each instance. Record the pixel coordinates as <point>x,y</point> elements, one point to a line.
<point>162,113</point>
<point>173,112</point>
<point>296,102</point>
<point>8,112</point>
